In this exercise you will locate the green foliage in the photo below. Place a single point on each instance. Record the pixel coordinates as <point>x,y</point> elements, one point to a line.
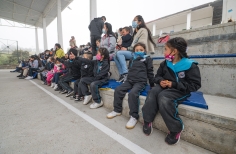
<point>12,59</point>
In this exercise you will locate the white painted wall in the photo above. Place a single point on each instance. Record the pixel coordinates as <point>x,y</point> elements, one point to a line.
<point>229,10</point>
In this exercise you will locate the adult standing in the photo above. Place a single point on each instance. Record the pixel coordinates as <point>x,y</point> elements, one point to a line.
<point>108,40</point>
<point>72,42</point>
<point>59,53</point>
<point>95,27</point>
<point>141,34</point>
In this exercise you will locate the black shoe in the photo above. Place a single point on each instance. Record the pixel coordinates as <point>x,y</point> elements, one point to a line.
<point>23,77</point>
<point>64,91</point>
<point>69,93</point>
<point>57,89</point>
<point>121,79</point>
<point>13,71</point>
<point>172,138</point>
<point>147,128</point>
<point>19,75</point>
<point>79,98</point>
<point>73,97</point>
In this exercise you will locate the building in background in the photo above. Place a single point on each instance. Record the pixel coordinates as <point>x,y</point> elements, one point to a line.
<point>217,12</point>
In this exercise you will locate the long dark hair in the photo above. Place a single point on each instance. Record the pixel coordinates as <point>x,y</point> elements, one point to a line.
<point>109,30</point>
<point>180,44</point>
<point>104,52</point>
<point>143,25</point>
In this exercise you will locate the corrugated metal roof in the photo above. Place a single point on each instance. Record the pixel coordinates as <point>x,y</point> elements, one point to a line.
<point>31,12</point>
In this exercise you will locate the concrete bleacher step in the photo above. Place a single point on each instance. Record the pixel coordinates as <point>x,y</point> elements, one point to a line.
<point>213,129</point>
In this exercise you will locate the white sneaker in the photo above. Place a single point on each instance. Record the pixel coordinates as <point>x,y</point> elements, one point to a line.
<point>113,114</point>
<point>96,105</point>
<point>29,78</point>
<point>55,87</point>
<point>131,123</point>
<point>52,85</point>
<point>87,99</point>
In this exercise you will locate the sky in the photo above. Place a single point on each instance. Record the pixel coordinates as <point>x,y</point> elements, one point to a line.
<point>75,21</point>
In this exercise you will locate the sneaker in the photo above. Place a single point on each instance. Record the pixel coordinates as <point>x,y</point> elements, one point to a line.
<point>57,89</point>
<point>64,91</point>
<point>113,114</point>
<point>96,105</point>
<point>52,85</point>
<point>55,86</point>
<point>87,99</point>
<point>42,82</point>
<point>125,77</point>
<point>121,79</point>
<point>147,128</point>
<point>23,77</point>
<point>131,123</point>
<point>69,93</point>
<point>72,97</point>
<point>19,75</point>
<point>78,98</point>
<point>172,138</point>
<point>29,78</point>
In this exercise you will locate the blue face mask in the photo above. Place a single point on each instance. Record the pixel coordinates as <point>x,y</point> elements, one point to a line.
<point>134,24</point>
<point>104,31</point>
<point>139,54</point>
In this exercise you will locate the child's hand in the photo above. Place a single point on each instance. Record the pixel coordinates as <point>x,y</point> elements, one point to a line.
<point>163,83</point>
<point>169,84</point>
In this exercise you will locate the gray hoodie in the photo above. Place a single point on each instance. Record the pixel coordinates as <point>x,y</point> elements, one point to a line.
<point>35,64</point>
<point>109,43</point>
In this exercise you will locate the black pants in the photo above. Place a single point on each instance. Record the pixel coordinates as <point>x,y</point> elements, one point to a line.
<point>133,97</point>
<point>166,102</point>
<point>93,39</point>
<point>31,70</point>
<point>94,87</point>
<point>43,78</point>
<point>56,77</point>
<point>64,81</point>
<point>76,84</point>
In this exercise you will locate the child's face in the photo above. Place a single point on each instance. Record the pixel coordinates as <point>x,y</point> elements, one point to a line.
<point>98,44</point>
<point>169,51</point>
<point>139,48</point>
<point>124,32</point>
<point>99,55</point>
<point>85,56</point>
<point>66,56</point>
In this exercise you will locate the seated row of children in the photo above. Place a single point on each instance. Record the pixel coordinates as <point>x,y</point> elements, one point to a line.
<point>176,77</point>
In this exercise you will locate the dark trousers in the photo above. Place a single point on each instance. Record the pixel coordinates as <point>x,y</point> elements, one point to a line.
<point>94,87</point>
<point>31,70</point>
<point>133,97</point>
<point>56,77</point>
<point>43,78</point>
<point>93,39</point>
<point>166,102</point>
<point>64,81</point>
<point>76,84</point>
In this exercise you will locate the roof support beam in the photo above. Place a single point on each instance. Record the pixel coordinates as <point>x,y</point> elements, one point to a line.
<point>29,10</point>
<point>45,41</point>
<point>59,23</point>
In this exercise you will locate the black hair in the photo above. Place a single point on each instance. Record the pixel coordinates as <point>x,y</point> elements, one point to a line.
<point>103,17</point>
<point>58,45</point>
<point>104,52</point>
<point>180,44</point>
<point>143,25</point>
<point>99,40</point>
<point>127,29</point>
<point>120,29</point>
<point>89,54</point>
<point>109,30</point>
<point>139,44</point>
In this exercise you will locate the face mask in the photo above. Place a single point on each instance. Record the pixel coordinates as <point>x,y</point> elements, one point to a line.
<point>139,54</point>
<point>104,31</point>
<point>134,24</point>
<point>47,53</point>
<point>169,57</point>
<point>98,57</point>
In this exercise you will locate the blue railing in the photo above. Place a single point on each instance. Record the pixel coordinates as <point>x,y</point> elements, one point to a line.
<point>205,56</point>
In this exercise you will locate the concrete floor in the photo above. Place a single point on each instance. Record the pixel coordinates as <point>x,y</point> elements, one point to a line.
<point>32,121</point>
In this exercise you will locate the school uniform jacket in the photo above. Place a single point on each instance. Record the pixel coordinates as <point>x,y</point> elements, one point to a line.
<point>74,67</point>
<point>87,70</point>
<point>141,69</point>
<point>100,69</point>
<point>185,75</point>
